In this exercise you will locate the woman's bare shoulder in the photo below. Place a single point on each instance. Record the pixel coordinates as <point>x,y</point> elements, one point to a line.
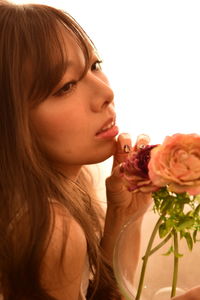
<point>64,261</point>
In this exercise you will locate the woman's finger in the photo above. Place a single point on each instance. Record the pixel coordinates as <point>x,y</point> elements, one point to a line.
<point>124,147</point>
<point>142,141</point>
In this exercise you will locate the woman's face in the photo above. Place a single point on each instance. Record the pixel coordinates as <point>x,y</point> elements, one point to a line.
<point>72,123</point>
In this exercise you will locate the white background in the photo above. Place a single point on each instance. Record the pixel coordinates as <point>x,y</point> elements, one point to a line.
<point>151,54</point>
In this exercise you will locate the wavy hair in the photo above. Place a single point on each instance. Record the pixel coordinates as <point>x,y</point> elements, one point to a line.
<point>32,62</point>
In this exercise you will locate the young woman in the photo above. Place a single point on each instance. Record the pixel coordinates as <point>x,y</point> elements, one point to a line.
<point>56,116</point>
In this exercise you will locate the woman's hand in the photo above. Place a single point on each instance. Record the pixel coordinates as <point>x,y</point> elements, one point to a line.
<point>130,204</point>
<point>192,294</point>
<point>123,205</point>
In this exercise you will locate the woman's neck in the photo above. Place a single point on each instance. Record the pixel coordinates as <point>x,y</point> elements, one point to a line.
<point>71,171</point>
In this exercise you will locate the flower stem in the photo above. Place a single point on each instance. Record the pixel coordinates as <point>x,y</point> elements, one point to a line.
<point>175,272</point>
<point>147,253</point>
<point>160,244</point>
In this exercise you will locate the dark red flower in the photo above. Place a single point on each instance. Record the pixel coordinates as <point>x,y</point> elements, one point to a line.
<point>137,162</point>
<point>135,170</point>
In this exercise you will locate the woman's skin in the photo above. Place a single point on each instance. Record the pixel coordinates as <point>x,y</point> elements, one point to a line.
<point>69,126</point>
<point>68,121</point>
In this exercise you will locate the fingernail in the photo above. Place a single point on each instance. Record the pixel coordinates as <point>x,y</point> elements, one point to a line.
<point>143,137</point>
<point>142,141</point>
<point>127,148</point>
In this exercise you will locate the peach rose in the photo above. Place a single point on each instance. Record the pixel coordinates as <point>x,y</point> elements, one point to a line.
<point>177,163</point>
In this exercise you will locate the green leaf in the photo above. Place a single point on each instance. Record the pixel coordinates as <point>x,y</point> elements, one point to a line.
<point>194,236</point>
<point>156,205</point>
<point>169,251</point>
<point>197,209</point>
<point>178,255</point>
<point>178,209</point>
<point>182,233</point>
<point>183,198</point>
<point>163,230</point>
<point>185,222</point>
<point>196,226</point>
<point>162,193</point>
<point>190,213</point>
<point>189,240</point>
<point>169,223</point>
<point>197,198</point>
<point>195,239</point>
<point>166,205</point>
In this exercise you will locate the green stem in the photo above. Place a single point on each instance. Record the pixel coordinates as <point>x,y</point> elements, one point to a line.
<point>175,272</point>
<point>160,244</point>
<point>148,250</point>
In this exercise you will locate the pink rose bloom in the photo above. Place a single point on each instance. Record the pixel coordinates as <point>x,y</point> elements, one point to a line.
<point>176,163</point>
<point>135,171</point>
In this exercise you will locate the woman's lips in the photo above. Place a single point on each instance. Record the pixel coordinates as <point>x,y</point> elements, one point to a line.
<point>109,133</point>
<point>109,124</point>
<point>109,130</point>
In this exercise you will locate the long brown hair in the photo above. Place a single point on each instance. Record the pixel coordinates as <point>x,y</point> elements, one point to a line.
<point>30,36</point>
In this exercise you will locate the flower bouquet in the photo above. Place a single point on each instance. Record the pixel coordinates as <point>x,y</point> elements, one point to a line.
<point>171,171</point>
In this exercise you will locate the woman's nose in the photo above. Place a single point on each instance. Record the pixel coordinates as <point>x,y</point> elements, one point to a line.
<point>102,95</point>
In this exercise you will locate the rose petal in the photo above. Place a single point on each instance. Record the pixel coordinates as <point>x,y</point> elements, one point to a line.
<point>177,163</point>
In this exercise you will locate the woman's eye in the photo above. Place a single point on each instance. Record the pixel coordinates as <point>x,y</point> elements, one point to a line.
<point>96,66</point>
<point>67,88</point>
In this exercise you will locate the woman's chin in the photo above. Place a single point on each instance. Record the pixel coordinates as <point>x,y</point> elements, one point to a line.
<point>100,157</point>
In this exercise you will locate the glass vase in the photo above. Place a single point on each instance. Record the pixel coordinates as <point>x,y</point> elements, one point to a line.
<point>159,270</point>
